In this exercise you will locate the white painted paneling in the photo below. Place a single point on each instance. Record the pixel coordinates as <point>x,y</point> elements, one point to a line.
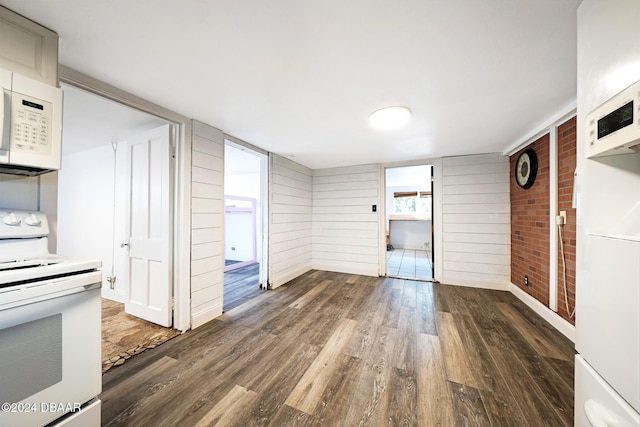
<point>476,221</point>
<point>297,209</point>
<point>495,208</point>
<point>476,199</point>
<point>78,235</point>
<point>205,205</point>
<point>352,201</point>
<point>489,238</point>
<point>205,175</point>
<point>206,235</point>
<point>207,213</point>
<point>339,238</point>
<point>476,178</point>
<point>479,248</point>
<point>283,199</point>
<point>337,195</point>
<point>345,231</point>
<point>290,220</point>
<point>328,179</point>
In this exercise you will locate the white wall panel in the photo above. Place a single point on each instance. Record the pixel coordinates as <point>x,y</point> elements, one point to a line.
<point>77,231</point>
<point>290,220</point>
<point>476,199</point>
<point>345,230</point>
<point>18,192</point>
<point>207,213</point>
<point>351,201</point>
<point>470,238</point>
<point>476,221</point>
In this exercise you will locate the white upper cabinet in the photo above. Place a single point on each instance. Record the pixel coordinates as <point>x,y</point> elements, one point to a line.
<point>28,48</point>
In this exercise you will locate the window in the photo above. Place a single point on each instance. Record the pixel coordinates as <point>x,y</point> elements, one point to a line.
<point>411,202</point>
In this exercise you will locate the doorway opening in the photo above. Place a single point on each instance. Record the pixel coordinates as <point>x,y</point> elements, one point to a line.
<point>409,222</point>
<point>245,223</point>
<point>115,203</point>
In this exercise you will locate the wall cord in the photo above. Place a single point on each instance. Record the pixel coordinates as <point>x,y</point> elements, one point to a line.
<point>564,276</point>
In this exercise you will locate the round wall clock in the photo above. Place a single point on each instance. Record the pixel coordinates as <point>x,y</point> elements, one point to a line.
<point>526,168</point>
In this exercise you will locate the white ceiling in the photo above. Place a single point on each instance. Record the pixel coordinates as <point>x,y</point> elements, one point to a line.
<point>300,77</point>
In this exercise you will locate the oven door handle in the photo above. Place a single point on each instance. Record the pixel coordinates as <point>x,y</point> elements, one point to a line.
<point>50,288</point>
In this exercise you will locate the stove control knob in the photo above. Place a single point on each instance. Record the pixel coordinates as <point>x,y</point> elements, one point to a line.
<point>11,220</point>
<point>33,221</point>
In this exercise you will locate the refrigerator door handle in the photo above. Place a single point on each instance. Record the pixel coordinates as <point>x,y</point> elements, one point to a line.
<point>599,416</point>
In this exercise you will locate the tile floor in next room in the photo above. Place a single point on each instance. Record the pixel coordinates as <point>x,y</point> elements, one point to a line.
<point>409,264</point>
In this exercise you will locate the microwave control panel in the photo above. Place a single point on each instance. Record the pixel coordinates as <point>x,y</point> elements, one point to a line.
<point>30,125</point>
<point>614,127</point>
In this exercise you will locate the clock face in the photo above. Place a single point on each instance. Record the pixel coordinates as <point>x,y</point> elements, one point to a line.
<point>526,168</point>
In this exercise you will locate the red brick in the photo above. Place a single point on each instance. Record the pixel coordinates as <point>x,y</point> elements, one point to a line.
<point>530,222</point>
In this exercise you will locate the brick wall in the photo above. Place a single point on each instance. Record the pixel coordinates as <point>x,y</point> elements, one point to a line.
<point>530,226</point>
<point>566,168</point>
<point>530,222</point>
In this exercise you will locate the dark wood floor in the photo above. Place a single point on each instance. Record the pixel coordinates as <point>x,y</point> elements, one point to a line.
<point>240,286</point>
<point>345,350</point>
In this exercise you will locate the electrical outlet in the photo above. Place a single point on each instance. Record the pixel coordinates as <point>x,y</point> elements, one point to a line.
<point>562,218</point>
<point>526,280</point>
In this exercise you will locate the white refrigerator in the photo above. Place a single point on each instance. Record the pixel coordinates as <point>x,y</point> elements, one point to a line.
<point>607,369</point>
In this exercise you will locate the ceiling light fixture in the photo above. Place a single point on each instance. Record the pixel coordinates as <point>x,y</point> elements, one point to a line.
<point>389,117</point>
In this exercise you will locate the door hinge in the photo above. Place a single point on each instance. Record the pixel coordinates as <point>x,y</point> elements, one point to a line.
<point>173,303</point>
<point>172,150</point>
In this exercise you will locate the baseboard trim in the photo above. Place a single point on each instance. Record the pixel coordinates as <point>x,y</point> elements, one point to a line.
<point>351,269</point>
<point>564,327</point>
<point>288,275</point>
<point>199,319</point>
<point>474,284</point>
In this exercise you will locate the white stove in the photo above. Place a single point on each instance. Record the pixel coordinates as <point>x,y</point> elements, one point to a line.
<point>50,316</point>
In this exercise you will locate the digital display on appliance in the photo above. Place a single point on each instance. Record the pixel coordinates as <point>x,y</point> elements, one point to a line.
<point>616,120</point>
<point>32,104</point>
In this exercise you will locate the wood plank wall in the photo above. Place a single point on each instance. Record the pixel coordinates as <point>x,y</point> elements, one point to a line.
<point>345,230</point>
<point>207,214</point>
<point>476,221</point>
<point>290,225</point>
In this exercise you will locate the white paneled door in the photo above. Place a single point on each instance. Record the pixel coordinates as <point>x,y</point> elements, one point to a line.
<point>149,226</point>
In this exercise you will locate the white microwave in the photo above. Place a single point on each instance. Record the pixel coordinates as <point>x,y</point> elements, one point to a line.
<point>614,127</point>
<point>30,125</point>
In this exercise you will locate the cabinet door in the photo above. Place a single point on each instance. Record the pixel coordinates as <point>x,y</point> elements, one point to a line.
<point>597,403</point>
<point>28,48</point>
<point>608,315</point>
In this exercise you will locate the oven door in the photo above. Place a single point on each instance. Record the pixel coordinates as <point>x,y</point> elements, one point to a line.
<point>50,352</point>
